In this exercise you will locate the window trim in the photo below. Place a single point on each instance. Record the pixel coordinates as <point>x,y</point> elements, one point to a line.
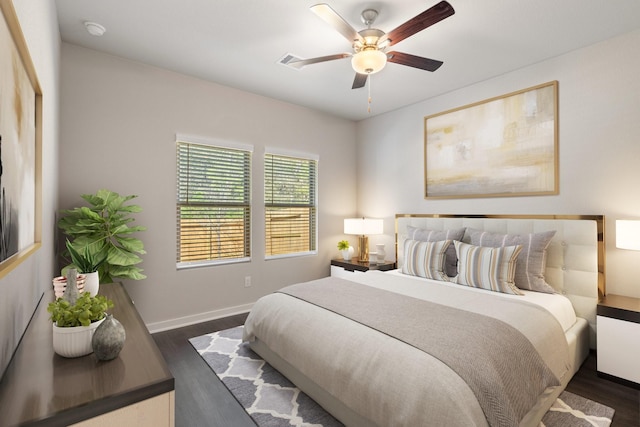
<point>213,142</point>
<point>277,151</point>
<point>225,144</point>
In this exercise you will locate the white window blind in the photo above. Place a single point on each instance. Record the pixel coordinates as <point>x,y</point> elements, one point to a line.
<point>290,205</point>
<point>213,204</point>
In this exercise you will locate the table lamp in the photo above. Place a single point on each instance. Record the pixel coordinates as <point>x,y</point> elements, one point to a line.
<point>628,234</point>
<point>363,227</point>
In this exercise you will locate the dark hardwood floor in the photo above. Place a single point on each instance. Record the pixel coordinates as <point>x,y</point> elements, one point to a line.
<point>625,400</point>
<point>202,400</point>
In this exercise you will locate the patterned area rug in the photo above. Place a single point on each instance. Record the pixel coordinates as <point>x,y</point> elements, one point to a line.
<point>272,400</point>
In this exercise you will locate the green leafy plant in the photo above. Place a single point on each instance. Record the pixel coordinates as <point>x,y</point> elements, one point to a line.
<point>343,245</point>
<point>104,230</point>
<point>85,262</point>
<point>85,311</point>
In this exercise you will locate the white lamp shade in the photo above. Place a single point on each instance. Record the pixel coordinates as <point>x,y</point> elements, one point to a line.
<point>368,61</point>
<point>363,226</point>
<point>628,234</point>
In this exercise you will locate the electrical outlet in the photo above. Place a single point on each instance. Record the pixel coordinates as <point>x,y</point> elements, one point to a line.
<point>247,281</point>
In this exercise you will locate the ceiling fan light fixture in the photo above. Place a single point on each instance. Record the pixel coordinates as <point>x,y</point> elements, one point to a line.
<point>371,36</point>
<point>383,43</point>
<point>368,61</point>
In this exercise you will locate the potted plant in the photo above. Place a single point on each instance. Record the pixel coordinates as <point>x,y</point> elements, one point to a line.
<point>104,230</point>
<point>86,263</point>
<point>347,250</point>
<point>74,322</point>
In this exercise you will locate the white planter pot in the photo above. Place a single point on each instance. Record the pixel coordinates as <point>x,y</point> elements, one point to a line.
<point>74,341</point>
<point>92,283</point>
<point>347,254</point>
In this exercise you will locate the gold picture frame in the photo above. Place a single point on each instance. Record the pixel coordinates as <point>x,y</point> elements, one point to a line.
<point>20,146</point>
<point>501,147</point>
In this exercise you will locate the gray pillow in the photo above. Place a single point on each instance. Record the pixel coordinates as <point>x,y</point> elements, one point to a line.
<point>425,235</point>
<point>532,261</point>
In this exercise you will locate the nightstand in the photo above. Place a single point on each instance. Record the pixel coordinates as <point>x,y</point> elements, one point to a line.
<point>346,269</point>
<point>618,338</point>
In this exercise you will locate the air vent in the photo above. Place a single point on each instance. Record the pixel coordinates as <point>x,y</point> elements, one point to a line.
<point>287,59</point>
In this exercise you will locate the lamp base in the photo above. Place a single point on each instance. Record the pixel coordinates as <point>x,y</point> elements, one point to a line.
<point>363,249</point>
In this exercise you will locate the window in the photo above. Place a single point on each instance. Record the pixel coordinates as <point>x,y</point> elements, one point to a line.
<point>213,206</point>
<point>290,204</point>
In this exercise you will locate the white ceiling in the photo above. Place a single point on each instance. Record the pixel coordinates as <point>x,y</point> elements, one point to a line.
<point>238,42</point>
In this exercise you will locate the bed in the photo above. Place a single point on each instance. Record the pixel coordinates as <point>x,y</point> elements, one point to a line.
<point>409,347</point>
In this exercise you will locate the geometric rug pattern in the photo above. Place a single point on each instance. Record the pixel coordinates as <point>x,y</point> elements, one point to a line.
<point>572,410</point>
<point>267,395</point>
<point>271,400</point>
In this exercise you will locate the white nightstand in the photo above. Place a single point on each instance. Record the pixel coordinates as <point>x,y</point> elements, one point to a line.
<point>346,269</point>
<point>618,333</point>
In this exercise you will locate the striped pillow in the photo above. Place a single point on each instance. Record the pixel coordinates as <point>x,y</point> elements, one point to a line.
<point>425,259</point>
<point>426,235</point>
<point>532,262</point>
<point>488,268</point>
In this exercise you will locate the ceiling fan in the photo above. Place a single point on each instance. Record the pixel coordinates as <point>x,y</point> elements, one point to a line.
<point>369,45</point>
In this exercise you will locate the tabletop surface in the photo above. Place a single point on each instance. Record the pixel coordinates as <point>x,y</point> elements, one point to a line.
<point>40,387</point>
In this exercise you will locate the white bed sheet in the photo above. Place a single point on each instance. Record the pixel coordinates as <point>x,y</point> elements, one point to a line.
<point>418,287</point>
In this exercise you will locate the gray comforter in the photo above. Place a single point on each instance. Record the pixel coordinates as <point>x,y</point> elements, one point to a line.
<point>397,360</point>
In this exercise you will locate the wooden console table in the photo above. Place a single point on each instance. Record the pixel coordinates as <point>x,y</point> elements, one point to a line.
<point>41,388</point>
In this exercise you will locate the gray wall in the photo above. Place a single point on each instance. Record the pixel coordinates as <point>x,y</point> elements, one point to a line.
<point>118,124</point>
<point>22,288</point>
<point>599,131</point>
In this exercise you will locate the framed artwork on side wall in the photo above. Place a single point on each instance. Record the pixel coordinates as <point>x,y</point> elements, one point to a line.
<point>20,146</point>
<point>499,147</point>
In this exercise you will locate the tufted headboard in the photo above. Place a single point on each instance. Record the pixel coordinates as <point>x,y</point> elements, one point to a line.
<point>575,257</point>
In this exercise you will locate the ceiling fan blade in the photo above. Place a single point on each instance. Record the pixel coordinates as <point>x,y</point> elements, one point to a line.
<point>414,61</point>
<point>302,62</point>
<point>418,23</point>
<point>359,81</point>
<point>331,17</point>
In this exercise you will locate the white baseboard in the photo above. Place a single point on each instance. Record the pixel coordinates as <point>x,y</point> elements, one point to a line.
<point>166,325</point>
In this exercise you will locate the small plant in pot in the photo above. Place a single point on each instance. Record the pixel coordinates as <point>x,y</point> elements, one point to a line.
<point>86,310</point>
<point>75,318</point>
<point>346,249</point>
<point>86,263</point>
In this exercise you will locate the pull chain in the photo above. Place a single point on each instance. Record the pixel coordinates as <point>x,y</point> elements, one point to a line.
<point>369,98</point>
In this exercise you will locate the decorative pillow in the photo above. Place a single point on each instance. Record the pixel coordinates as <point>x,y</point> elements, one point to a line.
<point>425,259</point>
<point>425,235</point>
<point>488,268</point>
<point>532,262</point>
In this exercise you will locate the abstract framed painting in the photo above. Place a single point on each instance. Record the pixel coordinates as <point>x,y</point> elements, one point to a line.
<point>500,147</point>
<point>20,146</point>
